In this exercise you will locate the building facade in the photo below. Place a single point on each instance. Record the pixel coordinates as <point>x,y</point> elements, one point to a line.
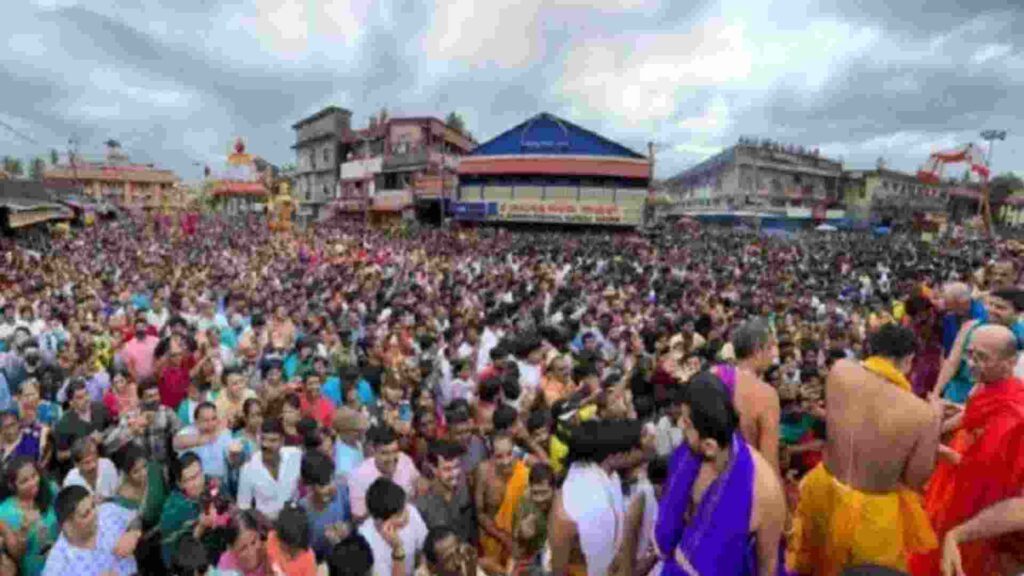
<point>760,176</point>
<point>549,170</point>
<point>401,168</point>
<point>890,196</point>
<point>320,148</point>
<point>116,180</point>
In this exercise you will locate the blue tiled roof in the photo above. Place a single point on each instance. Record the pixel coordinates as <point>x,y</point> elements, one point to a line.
<point>550,135</point>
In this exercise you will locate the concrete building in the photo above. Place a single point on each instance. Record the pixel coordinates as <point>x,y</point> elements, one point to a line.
<point>550,170</point>
<point>890,196</point>
<point>400,168</point>
<point>116,180</point>
<point>320,148</point>
<point>763,177</point>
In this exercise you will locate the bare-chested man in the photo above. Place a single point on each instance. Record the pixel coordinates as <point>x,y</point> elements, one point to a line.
<point>859,505</point>
<point>500,483</point>
<point>723,509</point>
<point>756,402</point>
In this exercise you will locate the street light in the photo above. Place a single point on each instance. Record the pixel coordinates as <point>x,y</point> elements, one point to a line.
<point>991,136</point>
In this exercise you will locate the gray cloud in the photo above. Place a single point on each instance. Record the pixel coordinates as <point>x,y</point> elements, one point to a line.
<point>183,95</point>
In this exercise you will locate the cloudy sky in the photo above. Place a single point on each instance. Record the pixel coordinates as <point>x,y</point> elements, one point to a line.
<point>176,82</point>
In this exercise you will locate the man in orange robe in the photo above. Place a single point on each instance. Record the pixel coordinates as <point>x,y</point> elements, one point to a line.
<point>991,471</point>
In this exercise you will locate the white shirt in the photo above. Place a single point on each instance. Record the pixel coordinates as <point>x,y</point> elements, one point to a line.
<point>529,376</point>
<point>412,535</point>
<point>270,495</point>
<point>106,480</point>
<point>157,319</point>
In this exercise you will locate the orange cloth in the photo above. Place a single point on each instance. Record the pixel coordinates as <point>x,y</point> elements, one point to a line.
<point>991,436</point>
<point>837,526</point>
<point>515,488</point>
<point>553,390</point>
<point>302,565</point>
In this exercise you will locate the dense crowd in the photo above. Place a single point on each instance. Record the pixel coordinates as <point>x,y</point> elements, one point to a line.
<point>422,401</point>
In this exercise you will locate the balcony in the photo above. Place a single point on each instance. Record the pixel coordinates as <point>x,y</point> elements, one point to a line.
<point>361,169</point>
<point>411,160</point>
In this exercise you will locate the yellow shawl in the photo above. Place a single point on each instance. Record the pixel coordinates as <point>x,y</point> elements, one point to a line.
<point>887,370</point>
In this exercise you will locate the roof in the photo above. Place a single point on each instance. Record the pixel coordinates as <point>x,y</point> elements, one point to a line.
<point>548,134</point>
<point>27,202</point>
<point>24,192</point>
<point>321,114</point>
<point>110,172</point>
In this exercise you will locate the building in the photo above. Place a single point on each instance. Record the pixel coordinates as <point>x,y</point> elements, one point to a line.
<point>115,180</point>
<point>890,196</point>
<point>240,187</point>
<point>26,203</point>
<point>550,170</point>
<point>320,147</point>
<point>763,178</point>
<point>400,167</point>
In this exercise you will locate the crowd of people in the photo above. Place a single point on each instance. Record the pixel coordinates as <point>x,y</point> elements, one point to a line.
<point>348,401</point>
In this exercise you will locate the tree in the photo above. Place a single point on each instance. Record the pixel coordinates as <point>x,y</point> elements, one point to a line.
<point>455,122</point>
<point>13,166</point>
<point>37,167</point>
<point>1002,186</point>
<point>54,157</point>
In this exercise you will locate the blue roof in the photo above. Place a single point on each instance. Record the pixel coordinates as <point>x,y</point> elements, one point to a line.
<point>550,135</point>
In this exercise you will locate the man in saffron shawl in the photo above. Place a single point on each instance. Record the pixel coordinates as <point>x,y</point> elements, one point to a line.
<point>500,484</point>
<point>723,509</point>
<point>961,498</point>
<point>858,506</point>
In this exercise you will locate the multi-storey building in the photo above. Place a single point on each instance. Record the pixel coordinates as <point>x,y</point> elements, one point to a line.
<point>760,176</point>
<point>115,180</point>
<point>549,170</point>
<point>401,167</point>
<point>890,195</point>
<point>321,145</point>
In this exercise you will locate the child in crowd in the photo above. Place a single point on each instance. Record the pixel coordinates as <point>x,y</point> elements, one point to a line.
<point>288,545</point>
<point>530,521</point>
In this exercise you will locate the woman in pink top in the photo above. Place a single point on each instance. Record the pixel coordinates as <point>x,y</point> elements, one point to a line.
<point>122,396</point>
<point>247,552</point>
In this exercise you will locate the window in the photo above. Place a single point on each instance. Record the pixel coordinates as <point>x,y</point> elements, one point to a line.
<point>326,155</point>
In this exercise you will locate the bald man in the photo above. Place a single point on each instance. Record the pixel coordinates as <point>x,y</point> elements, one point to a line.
<point>959,307</point>
<point>972,504</point>
<point>860,506</point>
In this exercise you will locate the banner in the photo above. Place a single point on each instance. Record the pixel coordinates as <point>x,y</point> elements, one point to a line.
<point>553,211</point>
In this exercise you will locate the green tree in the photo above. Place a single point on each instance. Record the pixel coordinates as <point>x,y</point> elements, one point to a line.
<point>37,167</point>
<point>455,122</point>
<point>13,166</point>
<point>54,157</point>
<point>1002,186</point>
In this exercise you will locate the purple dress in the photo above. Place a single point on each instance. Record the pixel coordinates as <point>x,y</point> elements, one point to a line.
<point>717,541</point>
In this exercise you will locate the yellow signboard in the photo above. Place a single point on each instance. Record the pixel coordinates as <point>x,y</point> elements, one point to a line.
<point>567,212</point>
